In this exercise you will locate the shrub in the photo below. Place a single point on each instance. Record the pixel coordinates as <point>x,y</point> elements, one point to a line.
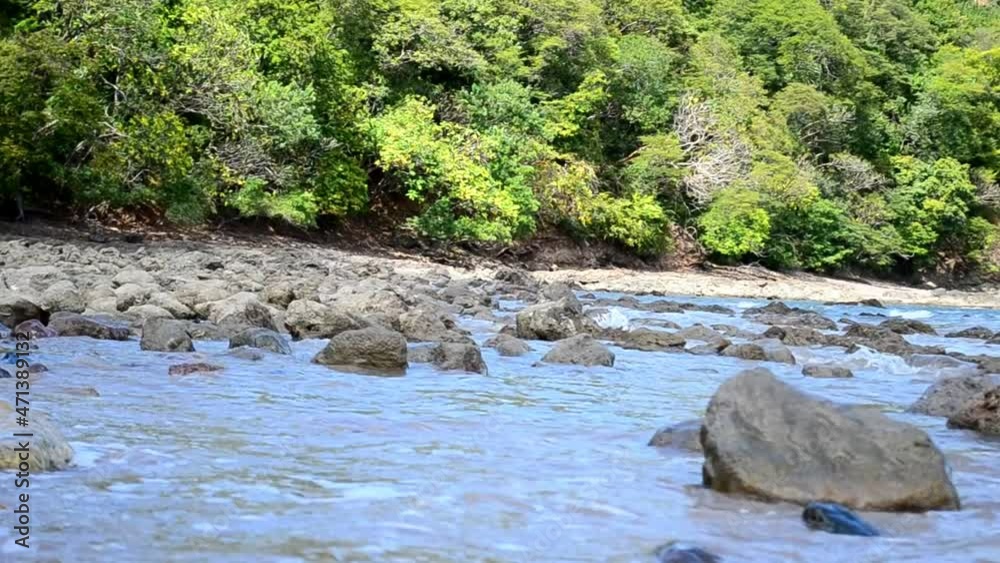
<point>735,224</point>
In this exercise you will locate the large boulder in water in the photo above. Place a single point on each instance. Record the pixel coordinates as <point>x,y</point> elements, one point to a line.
<point>949,396</point>
<point>581,350</point>
<point>977,332</point>
<point>165,335</point>
<point>796,335</point>
<point>766,439</point>
<point>458,356</point>
<point>15,309</point>
<point>981,413</point>
<point>72,324</point>
<point>48,449</point>
<point>683,435</point>
<point>507,345</point>
<point>777,313</point>
<point>907,326</point>
<point>554,320</point>
<point>374,349</point>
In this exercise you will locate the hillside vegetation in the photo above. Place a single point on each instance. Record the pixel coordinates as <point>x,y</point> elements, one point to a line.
<point>815,134</point>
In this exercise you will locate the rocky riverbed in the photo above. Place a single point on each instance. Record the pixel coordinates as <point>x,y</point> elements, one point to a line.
<point>223,396</point>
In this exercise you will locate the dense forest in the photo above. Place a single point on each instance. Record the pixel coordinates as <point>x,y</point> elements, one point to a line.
<point>815,134</point>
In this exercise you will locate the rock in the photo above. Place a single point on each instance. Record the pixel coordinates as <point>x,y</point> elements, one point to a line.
<point>734,332</point>
<point>4,374</point>
<point>279,294</point>
<point>165,335</point>
<point>555,320</point>
<point>507,345</point>
<point>450,356</point>
<point>699,332</point>
<point>419,325</point>
<point>659,323</point>
<point>608,318</point>
<point>245,353</point>
<point>15,309</point>
<point>373,349</point>
<point>515,277</point>
<point>989,364</point>
<point>309,319</point>
<point>766,439</point>
<point>361,300</point>
<point>581,350</point>
<point>796,336</point>
<point>836,519</point>
<point>751,352</point>
<point>976,332</point>
<point>197,367</point>
<point>130,295</point>
<point>981,413</point>
<point>826,371</point>
<point>63,296</point>
<point>907,326</point>
<point>204,330</point>
<point>880,339</point>
<point>133,276</point>
<point>101,306</point>
<point>170,304</point>
<point>670,553</point>
<point>775,351</point>
<point>142,313</point>
<point>947,397</point>
<point>261,338</point>
<point>651,341</point>
<point>421,354</point>
<point>777,313</point>
<point>194,293</point>
<point>72,324</point>
<point>239,312</point>
<point>34,329</point>
<point>49,450</point>
<point>684,435</point>
<point>709,348</point>
<point>558,291</point>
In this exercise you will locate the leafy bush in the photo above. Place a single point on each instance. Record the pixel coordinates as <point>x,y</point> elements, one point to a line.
<point>735,224</point>
<point>637,222</point>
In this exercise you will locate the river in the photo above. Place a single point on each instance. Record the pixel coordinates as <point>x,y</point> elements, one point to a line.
<point>282,460</point>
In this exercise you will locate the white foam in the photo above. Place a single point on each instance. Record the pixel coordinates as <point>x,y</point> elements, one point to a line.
<point>918,314</point>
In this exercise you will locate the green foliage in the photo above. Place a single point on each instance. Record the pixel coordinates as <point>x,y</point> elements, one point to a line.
<point>637,222</point>
<point>736,224</point>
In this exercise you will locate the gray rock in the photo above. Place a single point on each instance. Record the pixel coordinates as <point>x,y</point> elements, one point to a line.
<point>683,435</point>
<point>49,450</point>
<point>775,351</point>
<point>796,336</point>
<point>554,321</point>
<point>373,350</point>
<point>777,313</point>
<point>826,371</point>
<point>907,326</point>
<point>194,367</point>
<point>450,356</point>
<point>130,295</point>
<point>63,296</point>
<point>420,325</point>
<point>766,439</point>
<point>133,276</point>
<point>751,352</point>
<point>72,324</point>
<point>261,338</point>
<point>239,312</point>
<point>279,294</point>
<point>15,309</point>
<point>171,304</point>
<point>142,313</point>
<point>34,329</point>
<point>700,332</point>
<point>947,397</point>
<point>673,554</point>
<point>165,335</point>
<point>651,341</point>
<point>309,319</point>
<point>976,332</point>
<point>981,413</point>
<point>245,353</point>
<point>198,292</point>
<point>581,350</point>
<point>423,354</point>
<point>507,345</point>
<point>204,330</point>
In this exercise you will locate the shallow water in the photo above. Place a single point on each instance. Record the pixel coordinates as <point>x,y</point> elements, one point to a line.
<point>283,460</point>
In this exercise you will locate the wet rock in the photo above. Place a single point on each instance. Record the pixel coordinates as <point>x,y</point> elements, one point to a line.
<point>878,338</point>
<point>826,371</point>
<point>981,413</point>
<point>49,450</point>
<point>608,318</point>
<point>423,354</point>
<point>683,435</point>
<point>239,312</point>
<point>938,361</point>
<point>420,325</point>
<point>309,319</point>
<point>751,352</point>
<point>554,321</point>
<point>760,439</point>
<point>130,295</point>
<point>515,277</point>
<point>507,345</point>
<point>700,332</point>
<point>796,336</point>
<point>976,332</point>
<point>558,291</point>
<point>451,356</point>
<point>165,335</point>
<point>775,351</point>
<point>374,349</point>
<point>777,313</point>
<point>947,397</point>
<point>133,276</point>
<point>245,353</point>
<point>15,309</point>
<point>709,348</point>
<point>659,323</point>
<point>261,338</point>
<point>34,329</point>
<point>908,326</point>
<point>581,350</point>
<point>670,553</point>
<point>836,519</point>
<point>63,296</point>
<point>734,332</point>
<point>72,324</point>
<point>989,364</point>
<point>662,306</point>
<point>651,341</point>
<point>4,374</point>
<point>190,368</point>
<point>204,330</point>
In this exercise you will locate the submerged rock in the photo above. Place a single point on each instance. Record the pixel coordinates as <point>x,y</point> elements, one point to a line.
<point>261,338</point>
<point>507,345</point>
<point>580,350</point>
<point>72,324</point>
<point>908,326</point>
<point>766,439</point>
<point>826,371</point>
<point>165,335</point>
<point>374,349</point>
<point>836,519</point>
<point>947,397</point>
<point>195,367</point>
<point>777,313</point>
<point>683,435</point>
<point>976,332</point>
<point>671,553</point>
<point>981,413</point>
<point>649,340</point>
<point>451,356</point>
<point>34,329</point>
<point>48,449</point>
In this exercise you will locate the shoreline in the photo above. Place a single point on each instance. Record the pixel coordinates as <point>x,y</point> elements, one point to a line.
<point>729,282</point>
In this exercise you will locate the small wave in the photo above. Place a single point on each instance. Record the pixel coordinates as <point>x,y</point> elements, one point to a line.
<point>918,314</point>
